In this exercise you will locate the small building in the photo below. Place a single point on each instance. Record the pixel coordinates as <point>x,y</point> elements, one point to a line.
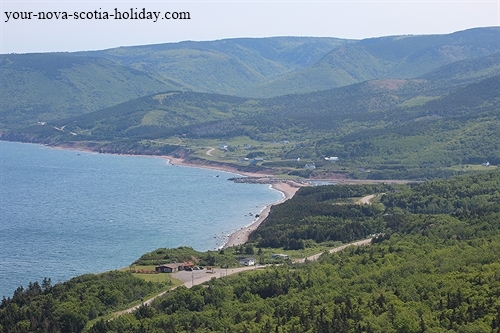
<point>486,164</point>
<point>311,166</point>
<point>167,268</point>
<point>185,265</point>
<point>247,261</point>
<point>280,256</point>
<point>332,159</point>
<point>254,161</point>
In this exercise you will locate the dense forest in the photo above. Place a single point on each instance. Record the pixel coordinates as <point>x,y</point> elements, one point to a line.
<point>434,267</point>
<point>69,306</point>
<point>321,214</point>
<point>427,272</point>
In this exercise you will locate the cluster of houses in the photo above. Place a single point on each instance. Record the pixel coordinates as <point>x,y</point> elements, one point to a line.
<point>312,166</point>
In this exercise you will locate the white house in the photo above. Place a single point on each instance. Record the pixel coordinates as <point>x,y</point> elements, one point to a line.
<point>247,261</point>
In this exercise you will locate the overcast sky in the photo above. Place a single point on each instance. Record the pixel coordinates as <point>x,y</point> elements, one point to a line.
<point>210,20</point>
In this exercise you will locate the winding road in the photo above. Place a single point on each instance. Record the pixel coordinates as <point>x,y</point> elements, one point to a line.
<point>209,151</point>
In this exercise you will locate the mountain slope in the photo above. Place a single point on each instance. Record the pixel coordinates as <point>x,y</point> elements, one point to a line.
<point>44,87</point>
<point>228,66</point>
<point>387,57</point>
<point>465,71</point>
<point>395,128</point>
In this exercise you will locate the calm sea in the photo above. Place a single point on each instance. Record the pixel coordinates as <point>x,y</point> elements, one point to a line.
<point>64,213</point>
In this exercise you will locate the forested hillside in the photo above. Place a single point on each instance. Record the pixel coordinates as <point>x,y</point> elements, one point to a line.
<point>401,57</point>
<point>41,87</point>
<point>433,268</point>
<point>69,306</point>
<point>228,66</point>
<point>432,272</point>
<point>401,129</point>
<point>44,87</point>
<point>321,214</point>
<point>47,86</point>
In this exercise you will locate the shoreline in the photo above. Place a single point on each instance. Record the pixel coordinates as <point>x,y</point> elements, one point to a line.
<point>239,236</point>
<point>288,188</point>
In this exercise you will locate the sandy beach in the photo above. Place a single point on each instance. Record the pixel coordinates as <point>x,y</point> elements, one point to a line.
<point>241,235</point>
<point>224,168</point>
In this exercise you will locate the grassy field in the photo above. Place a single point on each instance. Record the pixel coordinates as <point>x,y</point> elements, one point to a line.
<point>472,167</point>
<point>153,277</point>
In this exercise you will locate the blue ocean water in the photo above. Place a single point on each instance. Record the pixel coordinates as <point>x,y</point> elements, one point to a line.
<point>64,213</point>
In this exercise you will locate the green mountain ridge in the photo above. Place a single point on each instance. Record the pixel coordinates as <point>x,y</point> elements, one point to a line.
<point>228,66</point>
<point>44,87</point>
<point>427,126</point>
<point>387,57</point>
<point>396,128</point>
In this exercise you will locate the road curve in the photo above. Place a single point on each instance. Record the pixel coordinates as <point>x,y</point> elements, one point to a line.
<point>367,200</point>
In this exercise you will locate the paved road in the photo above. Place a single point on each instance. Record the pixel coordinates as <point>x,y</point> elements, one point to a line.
<point>337,249</point>
<point>201,276</point>
<point>192,278</point>
<point>367,199</point>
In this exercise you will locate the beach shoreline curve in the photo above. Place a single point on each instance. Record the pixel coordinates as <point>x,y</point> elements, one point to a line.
<point>240,236</point>
<point>288,188</point>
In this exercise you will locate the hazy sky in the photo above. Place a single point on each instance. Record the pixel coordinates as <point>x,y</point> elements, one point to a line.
<point>228,19</point>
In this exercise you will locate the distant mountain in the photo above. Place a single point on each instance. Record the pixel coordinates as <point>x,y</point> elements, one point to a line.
<point>431,106</point>
<point>265,67</point>
<point>47,86</point>
<point>466,71</point>
<point>44,87</point>
<point>386,57</point>
<point>228,66</point>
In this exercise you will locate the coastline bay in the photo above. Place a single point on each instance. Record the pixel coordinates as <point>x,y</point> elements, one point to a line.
<point>64,213</point>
